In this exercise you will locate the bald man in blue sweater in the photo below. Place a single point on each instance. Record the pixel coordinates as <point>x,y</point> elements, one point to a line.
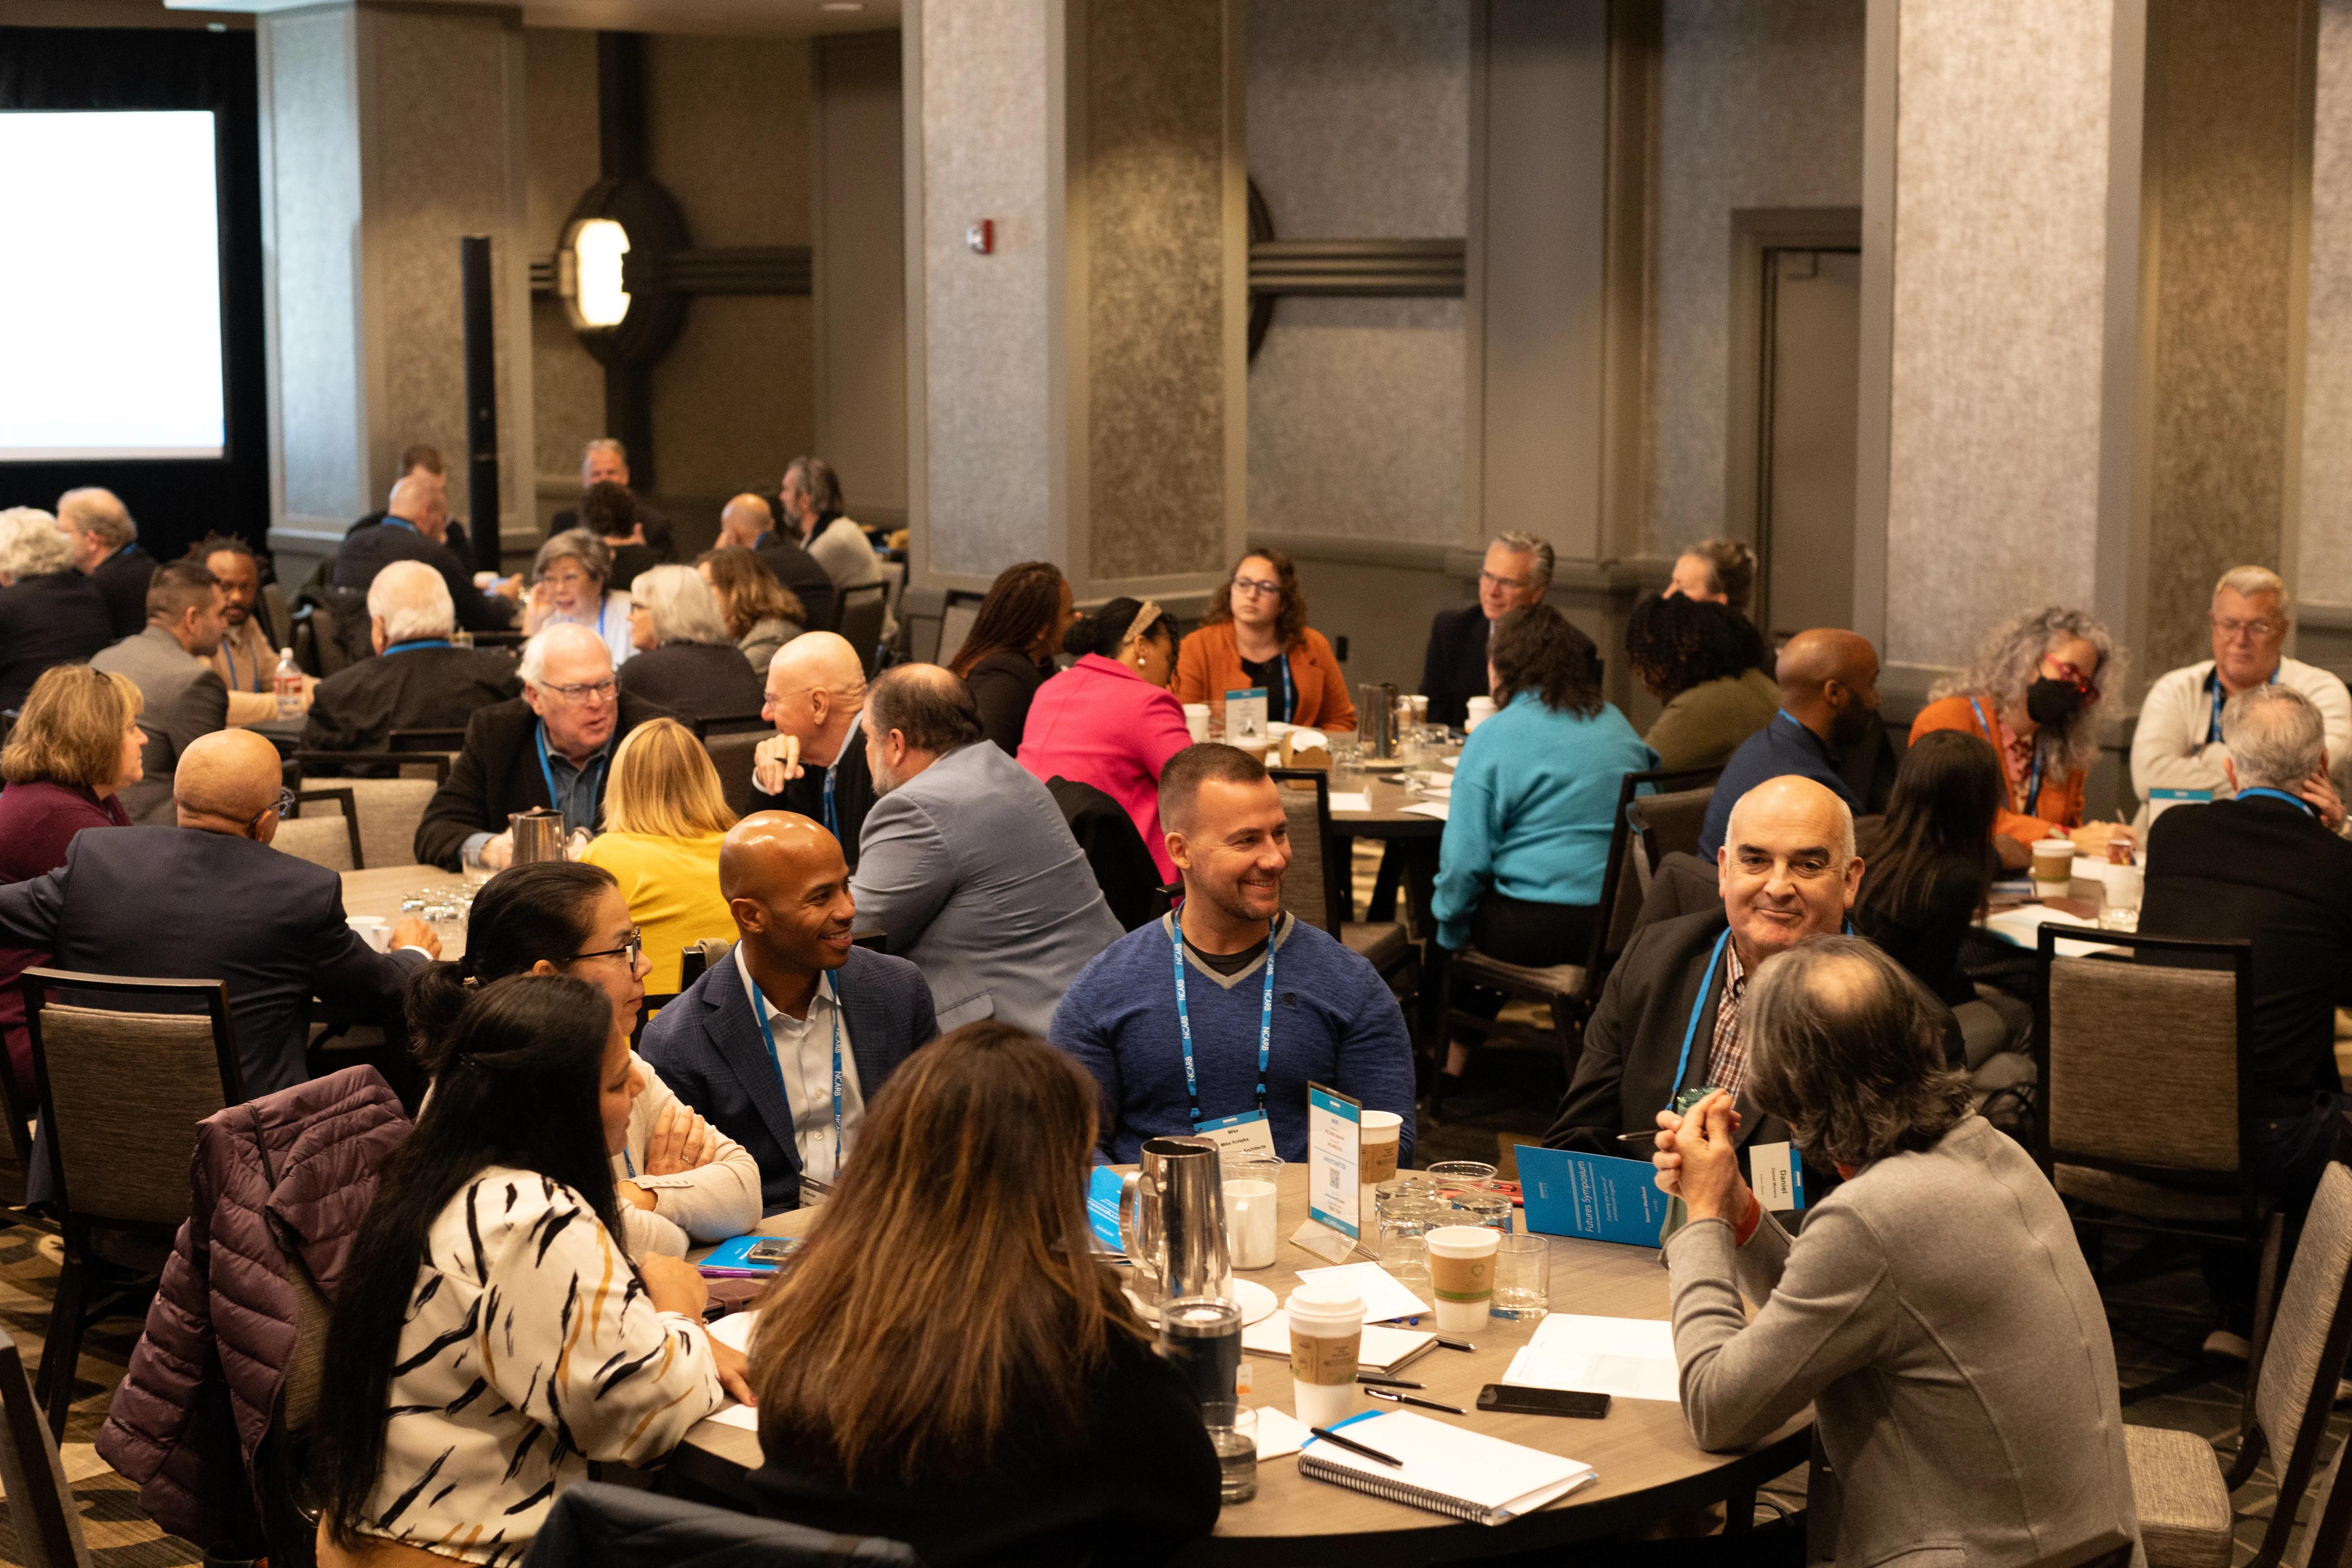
<point>1333,1021</point>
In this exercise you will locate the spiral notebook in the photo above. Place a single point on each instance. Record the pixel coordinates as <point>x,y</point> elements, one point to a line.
<point>1446,1469</point>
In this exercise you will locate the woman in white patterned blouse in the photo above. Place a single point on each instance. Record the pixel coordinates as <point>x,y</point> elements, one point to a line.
<point>491,1338</point>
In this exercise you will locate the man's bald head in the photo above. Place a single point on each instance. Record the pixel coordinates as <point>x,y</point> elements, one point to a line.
<point>1829,683</point>
<point>785,882</point>
<point>423,499</point>
<point>819,659</point>
<point>744,520</point>
<point>228,777</point>
<point>1794,801</point>
<point>816,687</point>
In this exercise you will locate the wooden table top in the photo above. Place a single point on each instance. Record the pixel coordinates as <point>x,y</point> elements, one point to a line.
<point>1388,817</point>
<point>1647,1464</point>
<point>379,892</point>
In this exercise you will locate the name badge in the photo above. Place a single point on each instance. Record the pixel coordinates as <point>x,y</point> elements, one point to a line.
<point>1777,1174</point>
<point>1249,1133</point>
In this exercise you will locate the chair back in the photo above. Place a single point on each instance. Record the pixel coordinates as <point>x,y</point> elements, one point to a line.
<point>451,741</point>
<point>731,755</point>
<point>122,1091</point>
<point>1631,861</point>
<point>40,1501</point>
<point>1310,890</point>
<point>433,765</point>
<point>695,957</point>
<point>388,812</point>
<point>863,609</point>
<point>1674,818</point>
<point>2308,1338</point>
<point>594,1524</point>
<point>325,830</point>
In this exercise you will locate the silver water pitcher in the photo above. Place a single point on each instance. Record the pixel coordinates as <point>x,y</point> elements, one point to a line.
<point>1172,1221</point>
<point>538,836</point>
<point>1376,724</point>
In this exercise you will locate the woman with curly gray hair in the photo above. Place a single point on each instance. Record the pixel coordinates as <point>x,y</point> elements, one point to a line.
<point>2032,691</point>
<point>1934,1311</point>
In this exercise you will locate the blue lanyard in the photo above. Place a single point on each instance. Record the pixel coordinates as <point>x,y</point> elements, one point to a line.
<point>832,825</point>
<point>628,1164</point>
<point>391,522</point>
<point>2295,801</point>
<point>768,1037</point>
<point>1698,1006</point>
<point>2213,726</point>
<point>228,656</point>
<point>434,642</point>
<point>124,551</point>
<point>1289,714</point>
<point>2032,780</point>
<point>547,770</point>
<point>1184,1014</point>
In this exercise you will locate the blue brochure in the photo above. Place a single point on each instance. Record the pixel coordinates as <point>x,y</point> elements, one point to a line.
<point>1591,1195</point>
<point>735,1256</point>
<point>1102,1207</point>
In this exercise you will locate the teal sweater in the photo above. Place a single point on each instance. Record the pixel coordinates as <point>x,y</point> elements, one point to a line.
<point>1533,799</point>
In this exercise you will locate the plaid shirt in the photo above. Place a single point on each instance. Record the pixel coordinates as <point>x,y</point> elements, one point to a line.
<point>1727,1059</point>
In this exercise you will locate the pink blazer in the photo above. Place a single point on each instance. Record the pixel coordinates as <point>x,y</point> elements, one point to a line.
<point>1101,724</point>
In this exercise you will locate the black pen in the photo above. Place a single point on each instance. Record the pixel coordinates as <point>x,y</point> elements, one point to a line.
<point>1453,1344</point>
<point>1355,1448</point>
<point>1408,1399</point>
<point>1385,1382</point>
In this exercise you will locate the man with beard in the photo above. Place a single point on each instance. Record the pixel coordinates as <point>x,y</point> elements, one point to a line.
<point>1829,690</point>
<point>966,863</point>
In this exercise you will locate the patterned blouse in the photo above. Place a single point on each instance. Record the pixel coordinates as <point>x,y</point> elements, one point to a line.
<point>531,1349</point>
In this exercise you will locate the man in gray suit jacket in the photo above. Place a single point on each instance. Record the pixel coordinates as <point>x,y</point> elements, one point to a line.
<point>169,661</point>
<point>965,860</point>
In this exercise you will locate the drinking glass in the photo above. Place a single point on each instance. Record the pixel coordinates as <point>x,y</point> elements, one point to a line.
<point>1465,1188</point>
<point>1406,1212</point>
<point>1233,1431</point>
<point>1522,1277</point>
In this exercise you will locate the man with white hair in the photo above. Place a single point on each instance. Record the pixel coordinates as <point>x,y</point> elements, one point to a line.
<point>421,681</point>
<point>416,527</point>
<point>1515,573</point>
<point>50,613</point>
<point>99,530</point>
<point>2178,746</point>
<point>816,764</point>
<point>549,748</point>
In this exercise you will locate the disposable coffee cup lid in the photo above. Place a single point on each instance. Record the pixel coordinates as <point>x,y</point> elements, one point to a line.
<point>1381,1120</point>
<point>1320,1299</point>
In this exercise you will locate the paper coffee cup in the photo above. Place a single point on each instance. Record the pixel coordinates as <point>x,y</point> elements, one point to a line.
<point>1196,721</point>
<point>2054,862</point>
<point>372,929</point>
<point>1462,1273</point>
<point>1381,1129</point>
<point>1481,709</point>
<point>1326,1330</point>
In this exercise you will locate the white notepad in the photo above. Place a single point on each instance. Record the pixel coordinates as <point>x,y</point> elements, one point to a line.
<point>1632,1358</point>
<point>1446,1469</point>
<point>1384,1295</point>
<point>1437,809</point>
<point>1381,1352</point>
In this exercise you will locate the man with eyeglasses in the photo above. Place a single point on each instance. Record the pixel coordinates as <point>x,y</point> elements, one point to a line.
<point>551,748</point>
<point>2177,748</point>
<point>210,899</point>
<point>1515,573</point>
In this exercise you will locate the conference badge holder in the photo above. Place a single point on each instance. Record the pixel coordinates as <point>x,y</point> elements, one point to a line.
<point>1334,1160</point>
<point>1249,1135</point>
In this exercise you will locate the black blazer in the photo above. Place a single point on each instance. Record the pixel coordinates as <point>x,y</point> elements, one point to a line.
<point>2263,869</point>
<point>1002,685</point>
<point>368,548</point>
<point>853,793</point>
<point>179,903</point>
<point>57,617</point>
<point>796,569</point>
<point>122,578</point>
<point>496,774</point>
<point>656,527</point>
<point>700,680</point>
<point>357,707</point>
<point>707,1047</point>
<point>1122,866</point>
<point>1454,670</point>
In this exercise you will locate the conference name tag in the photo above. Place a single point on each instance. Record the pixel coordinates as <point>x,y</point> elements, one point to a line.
<point>1777,1174</point>
<point>2161,801</point>
<point>1249,1133</point>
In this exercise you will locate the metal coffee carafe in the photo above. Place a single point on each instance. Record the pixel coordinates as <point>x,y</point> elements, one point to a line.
<point>1376,724</point>
<point>1172,1221</point>
<point>538,836</point>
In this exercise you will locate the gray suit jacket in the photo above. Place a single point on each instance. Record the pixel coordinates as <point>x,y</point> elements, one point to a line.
<point>185,698</point>
<point>972,871</point>
<point>1937,1314</point>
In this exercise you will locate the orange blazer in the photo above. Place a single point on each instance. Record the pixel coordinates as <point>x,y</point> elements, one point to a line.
<point>2060,804</point>
<point>1208,665</point>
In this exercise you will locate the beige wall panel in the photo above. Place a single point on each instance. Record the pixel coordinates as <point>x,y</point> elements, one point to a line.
<point>560,67</point>
<point>728,417</point>
<point>2000,248</point>
<point>861,270</point>
<point>2325,570</point>
<point>728,128</point>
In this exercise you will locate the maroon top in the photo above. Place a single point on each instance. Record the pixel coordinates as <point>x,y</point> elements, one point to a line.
<point>37,820</point>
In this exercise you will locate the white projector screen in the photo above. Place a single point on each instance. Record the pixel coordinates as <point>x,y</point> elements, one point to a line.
<point>110,286</point>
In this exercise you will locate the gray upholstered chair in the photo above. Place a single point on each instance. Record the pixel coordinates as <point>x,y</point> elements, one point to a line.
<point>731,755</point>
<point>388,811</point>
<point>1670,821</point>
<point>434,765</point>
<point>2182,1496</point>
<point>40,1501</point>
<point>121,1093</point>
<point>324,830</point>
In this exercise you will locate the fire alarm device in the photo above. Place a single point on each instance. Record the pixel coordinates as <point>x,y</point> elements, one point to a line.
<point>982,237</point>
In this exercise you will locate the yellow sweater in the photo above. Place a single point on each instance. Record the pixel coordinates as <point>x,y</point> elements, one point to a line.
<point>672,886</point>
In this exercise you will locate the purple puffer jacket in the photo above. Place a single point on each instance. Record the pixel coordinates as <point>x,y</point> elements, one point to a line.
<point>223,1327</point>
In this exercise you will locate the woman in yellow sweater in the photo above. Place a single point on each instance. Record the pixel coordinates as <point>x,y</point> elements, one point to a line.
<point>664,815</point>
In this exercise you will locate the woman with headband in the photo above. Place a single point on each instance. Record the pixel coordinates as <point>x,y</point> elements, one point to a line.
<point>1109,720</point>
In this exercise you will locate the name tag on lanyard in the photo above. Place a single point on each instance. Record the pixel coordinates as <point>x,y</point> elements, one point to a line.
<point>1250,1133</point>
<point>1247,1132</point>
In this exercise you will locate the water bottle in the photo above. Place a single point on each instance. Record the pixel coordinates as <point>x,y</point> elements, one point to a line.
<point>288,684</point>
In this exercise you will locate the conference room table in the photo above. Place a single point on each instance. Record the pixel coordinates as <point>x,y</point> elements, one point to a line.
<point>1388,817</point>
<point>380,891</point>
<point>1647,1466</point>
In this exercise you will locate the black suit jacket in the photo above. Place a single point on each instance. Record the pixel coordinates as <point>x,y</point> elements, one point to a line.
<point>796,569</point>
<point>2266,870</point>
<point>178,903</point>
<point>1123,869</point>
<point>498,774</point>
<point>368,549</point>
<point>702,680</point>
<point>357,709</point>
<point>707,1047</point>
<point>57,617</point>
<point>122,579</point>
<point>853,795</point>
<point>657,531</point>
<point>1454,670</point>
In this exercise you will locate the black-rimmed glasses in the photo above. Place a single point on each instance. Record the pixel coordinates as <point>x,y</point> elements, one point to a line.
<point>635,947</point>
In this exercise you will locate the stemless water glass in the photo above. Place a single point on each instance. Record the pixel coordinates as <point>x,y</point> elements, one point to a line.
<point>1522,1277</point>
<point>1233,1431</point>
<point>1407,1209</point>
<point>1466,1189</point>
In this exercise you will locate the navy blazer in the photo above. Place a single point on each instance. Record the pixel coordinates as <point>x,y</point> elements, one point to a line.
<point>707,1046</point>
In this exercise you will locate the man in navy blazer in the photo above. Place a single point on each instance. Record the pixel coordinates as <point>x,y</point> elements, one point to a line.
<point>781,1044</point>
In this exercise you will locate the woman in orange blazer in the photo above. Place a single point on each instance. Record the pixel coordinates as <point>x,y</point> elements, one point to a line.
<point>2032,691</point>
<point>1254,632</point>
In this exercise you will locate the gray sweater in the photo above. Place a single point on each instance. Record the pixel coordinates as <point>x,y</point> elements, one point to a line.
<point>1937,1314</point>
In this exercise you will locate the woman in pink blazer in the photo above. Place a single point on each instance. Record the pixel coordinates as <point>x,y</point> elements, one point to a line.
<point>1108,721</point>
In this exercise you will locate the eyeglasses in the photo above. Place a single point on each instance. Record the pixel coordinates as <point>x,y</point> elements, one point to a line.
<point>595,689</point>
<point>2259,629</point>
<point>1255,585</point>
<point>283,805</point>
<point>2059,670</point>
<point>1489,580</point>
<point>635,947</point>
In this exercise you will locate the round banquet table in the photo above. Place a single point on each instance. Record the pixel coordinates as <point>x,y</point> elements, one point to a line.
<point>379,892</point>
<point>1647,1464</point>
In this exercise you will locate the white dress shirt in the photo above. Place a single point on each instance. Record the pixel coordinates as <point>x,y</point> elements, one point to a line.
<point>2173,748</point>
<point>804,1055</point>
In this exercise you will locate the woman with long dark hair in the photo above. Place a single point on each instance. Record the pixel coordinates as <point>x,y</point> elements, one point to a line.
<point>677,1180</point>
<point>1108,721</point>
<point>1009,652</point>
<point>490,1336</point>
<point>947,1363</point>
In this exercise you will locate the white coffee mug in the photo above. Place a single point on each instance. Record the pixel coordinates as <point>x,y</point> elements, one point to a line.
<point>1481,709</point>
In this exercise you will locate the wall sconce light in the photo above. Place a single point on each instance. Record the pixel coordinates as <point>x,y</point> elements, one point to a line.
<point>588,272</point>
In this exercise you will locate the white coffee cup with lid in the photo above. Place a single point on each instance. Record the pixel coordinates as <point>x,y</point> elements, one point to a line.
<point>1481,709</point>
<point>1327,1331</point>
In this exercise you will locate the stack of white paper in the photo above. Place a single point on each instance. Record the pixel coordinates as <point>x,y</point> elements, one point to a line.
<point>1385,1296</point>
<point>1632,1358</point>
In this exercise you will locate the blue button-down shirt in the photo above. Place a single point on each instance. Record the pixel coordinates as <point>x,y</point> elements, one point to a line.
<point>1781,747</point>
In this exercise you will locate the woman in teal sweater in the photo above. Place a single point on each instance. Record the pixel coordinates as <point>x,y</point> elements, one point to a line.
<point>1527,840</point>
